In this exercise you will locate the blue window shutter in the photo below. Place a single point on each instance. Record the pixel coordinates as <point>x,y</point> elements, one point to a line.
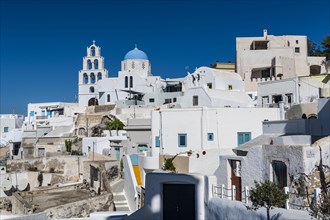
<point>182,140</point>
<point>247,137</point>
<point>243,137</point>
<point>210,136</point>
<point>157,141</point>
<point>31,113</point>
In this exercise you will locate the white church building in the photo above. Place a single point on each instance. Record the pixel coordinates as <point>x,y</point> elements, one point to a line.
<point>133,82</point>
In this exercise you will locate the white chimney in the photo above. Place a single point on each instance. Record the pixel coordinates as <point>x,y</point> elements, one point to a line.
<point>265,34</point>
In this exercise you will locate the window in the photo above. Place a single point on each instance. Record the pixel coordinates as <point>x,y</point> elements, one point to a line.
<point>85,78</point>
<point>243,137</point>
<point>209,85</point>
<point>31,113</point>
<point>297,41</point>
<point>279,173</point>
<point>108,98</point>
<point>92,78</point>
<point>92,51</point>
<point>289,97</point>
<point>131,81</point>
<point>91,89</point>
<point>152,100</point>
<point>5,129</point>
<point>297,49</point>
<point>276,98</point>
<point>133,65</point>
<point>126,81</point>
<point>99,76</point>
<point>174,99</point>
<point>265,100</point>
<point>96,64</point>
<point>182,140</point>
<point>143,65</point>
<point>230,87</point>
<point>210,136</point>
<point>195,100</point>
<point>167,101</point>
<point>157,141</point>
<point>89,64</point>
<point>142,148</point>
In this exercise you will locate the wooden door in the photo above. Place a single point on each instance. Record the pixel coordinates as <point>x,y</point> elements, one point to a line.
<point>236,178</point>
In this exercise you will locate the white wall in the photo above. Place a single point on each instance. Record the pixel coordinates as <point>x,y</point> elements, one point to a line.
<point>96,144</point>
<point>130,183</point>
<point>224,123</point>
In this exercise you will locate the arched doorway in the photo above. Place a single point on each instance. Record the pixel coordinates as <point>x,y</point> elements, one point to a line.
<point>93,101</point>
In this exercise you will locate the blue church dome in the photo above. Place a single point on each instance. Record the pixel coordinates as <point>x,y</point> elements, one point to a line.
<point>136,54</point>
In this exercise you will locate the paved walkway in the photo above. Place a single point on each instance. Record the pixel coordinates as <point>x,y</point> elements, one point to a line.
<point>119,195</point>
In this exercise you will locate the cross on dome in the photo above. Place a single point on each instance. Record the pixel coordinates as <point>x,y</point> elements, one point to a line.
<point>94,42</point>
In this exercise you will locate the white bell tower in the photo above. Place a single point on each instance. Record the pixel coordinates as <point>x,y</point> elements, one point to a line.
<point>92,72</point>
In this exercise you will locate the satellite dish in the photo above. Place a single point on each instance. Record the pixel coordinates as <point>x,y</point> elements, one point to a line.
<point>6,185</point>
<point>22,184</point>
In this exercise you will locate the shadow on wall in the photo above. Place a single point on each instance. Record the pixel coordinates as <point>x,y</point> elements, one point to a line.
<point>317,124</point>
<point>297,111</point>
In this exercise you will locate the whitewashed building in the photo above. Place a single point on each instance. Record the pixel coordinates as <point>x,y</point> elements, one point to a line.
<point>9,122</point>
<point>180,130</point>
<point>292,91</point>
<point>286,150</point>
<point>51,114</point>
<point>269,57</point>
<point>214,88</point>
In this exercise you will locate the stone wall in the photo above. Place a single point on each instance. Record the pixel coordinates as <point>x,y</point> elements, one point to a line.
<point>82,209</point>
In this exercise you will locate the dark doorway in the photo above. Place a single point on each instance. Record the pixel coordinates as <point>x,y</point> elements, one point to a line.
<point>179,201</point>
<point>93,101</point>
<point>279,174</point>
<point>236,178</point>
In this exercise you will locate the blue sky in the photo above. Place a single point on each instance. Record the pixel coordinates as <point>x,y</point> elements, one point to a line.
<point>42,43</point>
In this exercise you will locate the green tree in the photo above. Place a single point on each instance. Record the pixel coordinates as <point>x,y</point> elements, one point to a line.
<point>114,125</point>
<point>326,47</point>
<point>168,164</point>
<point>267,194</point>
<point>68,145</point>
<point>313,48</point>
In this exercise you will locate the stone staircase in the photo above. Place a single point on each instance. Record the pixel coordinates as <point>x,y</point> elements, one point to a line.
<point>119,196</point>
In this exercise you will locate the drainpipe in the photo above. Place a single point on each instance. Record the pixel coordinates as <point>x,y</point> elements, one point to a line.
<point>202,136</point>
<point>297,91</point>
<point>160,133</point>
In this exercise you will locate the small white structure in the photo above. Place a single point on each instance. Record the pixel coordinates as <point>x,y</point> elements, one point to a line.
<point>9,122</point>
<point>266,58</point>
<point>51,114</point>
<point>292,91</point>
<point>175,196</point>
<point>110,145</point>
<point>180,130</point>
